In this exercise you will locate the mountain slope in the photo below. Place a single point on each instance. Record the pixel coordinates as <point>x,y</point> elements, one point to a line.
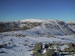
<point>22,42</point>
<point>51,28</point>
<point>44,28</point>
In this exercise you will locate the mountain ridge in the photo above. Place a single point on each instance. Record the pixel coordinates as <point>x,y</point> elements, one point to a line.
<point>40,27</point>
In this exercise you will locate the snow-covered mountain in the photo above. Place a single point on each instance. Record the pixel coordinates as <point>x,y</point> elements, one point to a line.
<point>42,27</point>
<point>25,34</point>
<point>32,20</point>
<point>51,28</point>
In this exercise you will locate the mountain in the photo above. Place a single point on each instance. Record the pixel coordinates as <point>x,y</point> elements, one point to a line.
<point>39,27</point>
<point>51,28</point>
<point>32,20</point>
<point>25,34</point>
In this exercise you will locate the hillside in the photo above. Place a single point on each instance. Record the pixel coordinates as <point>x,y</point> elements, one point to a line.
<point>39,27</point>
<point>24,35</point>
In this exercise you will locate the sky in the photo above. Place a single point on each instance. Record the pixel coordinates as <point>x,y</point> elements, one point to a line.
<point>13,10</point>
